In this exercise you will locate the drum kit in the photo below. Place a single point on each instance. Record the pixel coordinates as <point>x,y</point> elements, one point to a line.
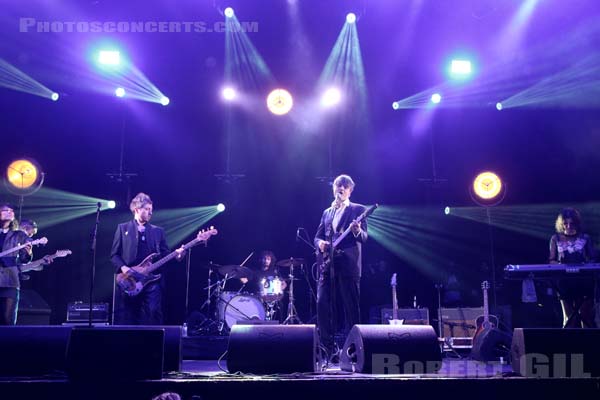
<point>230,307</point>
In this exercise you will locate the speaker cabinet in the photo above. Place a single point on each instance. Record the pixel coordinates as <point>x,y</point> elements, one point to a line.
<point>271,349</point>
<point>33,309</point>
<point>33,350</point>
<point>391,349</point>
<point>557,353</point>
<point>491,345</point>
<point>118,354</point>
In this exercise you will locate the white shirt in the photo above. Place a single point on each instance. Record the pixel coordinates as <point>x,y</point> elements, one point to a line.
<point>338,214</point>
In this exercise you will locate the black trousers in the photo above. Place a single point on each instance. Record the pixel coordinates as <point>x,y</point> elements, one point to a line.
<point>347,301</point>
<point>143,309</point>
<point>8,310</point>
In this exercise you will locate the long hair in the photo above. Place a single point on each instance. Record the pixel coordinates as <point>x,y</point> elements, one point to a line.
<point>14,224</point>
<point>567,213</point>
<point>265,253</point>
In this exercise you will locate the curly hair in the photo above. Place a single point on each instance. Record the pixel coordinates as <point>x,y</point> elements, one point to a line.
<point>14,224</point>
<point>269,253</point>
<point>568,213</point>
<point>139,201</point>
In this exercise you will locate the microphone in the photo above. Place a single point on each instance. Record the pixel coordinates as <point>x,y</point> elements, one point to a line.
<point>298,235</point>
<point>99,205</point>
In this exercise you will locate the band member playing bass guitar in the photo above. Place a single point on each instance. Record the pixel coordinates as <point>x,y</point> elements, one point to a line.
<point>133,242</point>
<point>340,267</point>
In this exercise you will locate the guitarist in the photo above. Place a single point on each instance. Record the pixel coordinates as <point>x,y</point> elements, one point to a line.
<point>344,277</point>
<point>11,236</point>
<point>133,242</point>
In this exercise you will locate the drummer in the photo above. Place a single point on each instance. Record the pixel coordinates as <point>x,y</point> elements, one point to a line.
<point>266,272</point>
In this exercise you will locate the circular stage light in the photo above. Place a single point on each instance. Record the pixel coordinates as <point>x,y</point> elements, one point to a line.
<point>331,97</point>
<point>499,106</point>
<point>220,207</point>
<point>54,96</point>
<point>229,12</point>
<point>488,189</point>
<point>280,102</point>
<point>350,18</point>
<point>111,204</point>
<point>228,93</point>
<point>436,98</point>
<point>23,174</point>
<point>120,92</point>
<point>395,105</point>
<point>164,101</point>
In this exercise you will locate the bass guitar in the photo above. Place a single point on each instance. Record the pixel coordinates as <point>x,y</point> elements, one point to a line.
<point>38,265</point>
<point>394,320</point>
<point>36,242</point>
<point>324,257</point>
<point>136,278</point>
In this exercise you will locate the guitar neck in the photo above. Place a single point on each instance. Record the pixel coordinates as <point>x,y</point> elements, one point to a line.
<point>172,255</point>
<point>13,250</point>
<point>394,303</point>
<point>486,310</point>
<point>37,263</point>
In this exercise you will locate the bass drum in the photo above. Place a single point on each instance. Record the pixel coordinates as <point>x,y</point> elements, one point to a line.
<point>234,308</point>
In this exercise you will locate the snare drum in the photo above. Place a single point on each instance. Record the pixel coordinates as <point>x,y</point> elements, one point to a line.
<point>271,289</point>
<point>234,307</point>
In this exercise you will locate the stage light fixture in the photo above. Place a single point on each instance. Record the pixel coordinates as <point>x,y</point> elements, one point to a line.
<point>220,207</point>
<point>487,189</point>
<point>460,67</point>
<point>164,100</point>
<point>350,18</point>
<point>396,105</point>
<point>24,174</point>
<point>447,210</point>
<point>111,204</point>
<point>228,93</point>
<point>109,57</point>
<point>120,92</point>
<point>229,12</point>
<point>499,106</point>
<point>331,97</point>
<point>436,98</point>
<point>280,102</point>
<point>54,96</point>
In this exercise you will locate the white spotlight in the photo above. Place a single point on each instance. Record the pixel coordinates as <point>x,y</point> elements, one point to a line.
<point>331,97</point>
<point>280,101</point>
<point>220,207</point>
<point>499,106</point>
<point>436,98</point>
<point>109,57</point>
<point>164,101</point>
<point>350,18</point>
<point>229,12</point>
<point>54,96</point>
<point>120,92</point>
<point>395,105</point>
<point>228,93</point>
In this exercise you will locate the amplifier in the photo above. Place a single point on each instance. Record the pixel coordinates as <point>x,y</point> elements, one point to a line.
<point>80,312</point>
<point>460,322</point>
<point>411,316</point>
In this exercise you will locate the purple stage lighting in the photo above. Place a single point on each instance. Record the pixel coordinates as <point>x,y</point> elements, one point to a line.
<point>109,57</point>
<point>228,93</point>
<point>460,67</point>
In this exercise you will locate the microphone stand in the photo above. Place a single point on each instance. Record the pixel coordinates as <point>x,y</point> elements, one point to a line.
<point>93,268</point>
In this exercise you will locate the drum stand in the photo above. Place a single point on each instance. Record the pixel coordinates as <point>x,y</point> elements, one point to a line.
<point>292,315</point>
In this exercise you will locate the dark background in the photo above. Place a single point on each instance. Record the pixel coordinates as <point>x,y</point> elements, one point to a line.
<point>547,155</point>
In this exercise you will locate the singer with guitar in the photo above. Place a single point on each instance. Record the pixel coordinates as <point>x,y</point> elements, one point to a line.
<point>133,242</point>
<point>11,237</point>
<point>340,268</point>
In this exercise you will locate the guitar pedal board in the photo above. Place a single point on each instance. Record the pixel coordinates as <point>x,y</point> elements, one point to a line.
<point>80,312</point>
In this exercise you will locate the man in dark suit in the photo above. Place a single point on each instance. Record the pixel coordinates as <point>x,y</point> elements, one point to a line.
<point>342,274</point>
<point>133,242</point>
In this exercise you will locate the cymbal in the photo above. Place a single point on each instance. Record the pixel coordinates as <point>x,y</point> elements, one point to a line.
<point>235,271</point>
<point>296,262</point>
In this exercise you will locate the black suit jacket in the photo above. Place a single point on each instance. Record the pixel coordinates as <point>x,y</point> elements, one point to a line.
<point>349,263</point>
<point>125,243</point>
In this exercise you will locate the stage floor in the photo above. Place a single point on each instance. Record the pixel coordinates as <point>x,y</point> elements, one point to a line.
<point>205,380</point>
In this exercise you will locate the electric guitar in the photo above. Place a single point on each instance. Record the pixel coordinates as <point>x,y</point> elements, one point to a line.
<point>38,265</point>
<point>22,246</point>
<point>136,278</point>
<point>394,320</point>
<point>484,322</point>
<point>323,257</point>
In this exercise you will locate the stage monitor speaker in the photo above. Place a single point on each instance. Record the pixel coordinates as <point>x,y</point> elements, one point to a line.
<point>33,309</point>
<point>33,350</point>
<point>117,354</point>
<point>172,355</point>
<point>272,349</point>
<point>557,353</point>
<point>391,349</point>
<point>411,316</point>
<point>491,345</point>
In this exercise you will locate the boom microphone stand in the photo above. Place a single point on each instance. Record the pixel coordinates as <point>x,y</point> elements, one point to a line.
<point>93,268</point>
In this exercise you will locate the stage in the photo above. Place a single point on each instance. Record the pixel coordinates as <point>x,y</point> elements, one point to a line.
<point>204,380</point>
